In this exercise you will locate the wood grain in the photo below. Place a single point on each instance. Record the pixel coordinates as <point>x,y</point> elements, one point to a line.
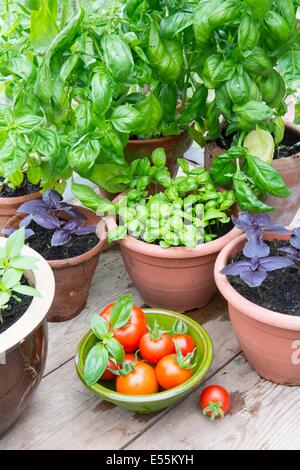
<point>263,415</point>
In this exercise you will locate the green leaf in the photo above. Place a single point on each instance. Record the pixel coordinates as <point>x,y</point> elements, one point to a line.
<point>260,8</point>
<point>159,157</point>
<point>266,177</point>
<point>15,243</point>
<point>11,277</point>
<point>99,326</point>
<point>289,65</point>
<point>246,198</point>
<point>4,298</point>
<point>248,35</point>
<point>83,154</point>
<point>90,199</point>
<point>174,24</point>
<point>95,364</point>
<point>28,123</point>
<point>117,233</point>
<point>117,56</point>
<point>150,112</point>
<point>112,177</point>
<point>183,165</point>
<point>253,111</point>
<point>126,118</point>
<point>121,311</point>
<point>261,144</point>
<point>216,70</point>
<point>226,12</point>
<point>101,93</point>
<point>23,262</point>
<point>43,26</point>
<point>45,141</point>
<point>115,350</point>
<point>163,177</point>
<point>297,113</point>
<point>26,290</point>
<point>222,170</point>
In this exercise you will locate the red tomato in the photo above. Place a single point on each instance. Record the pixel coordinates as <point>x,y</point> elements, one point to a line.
<point>130,334</point>
<point>169,374</point>
<point>185,342</point>
<point>153,350</point>
<point>214,401</point>
<point>141,381</point>
<point>107,374</point>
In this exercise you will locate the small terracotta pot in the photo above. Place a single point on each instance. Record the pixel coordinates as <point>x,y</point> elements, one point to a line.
<point>175,278</point>
<point>73,276</point>
<point>289,168</point>
<point>9,206</point>
<point>23,346</point>
<point>270,341</point>
<point>175,146</point>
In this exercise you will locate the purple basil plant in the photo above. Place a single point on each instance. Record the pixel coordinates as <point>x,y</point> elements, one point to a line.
<point>45,212</point>
<point>293,251</point>
<point>253,271</point>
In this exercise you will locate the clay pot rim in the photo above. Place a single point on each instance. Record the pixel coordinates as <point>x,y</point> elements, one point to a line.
<point>9,201</point>
<point>64,263</point>
<point>158,139</point>
<point>44,282</point>
<point>248,308</point>
<point>157,251</point>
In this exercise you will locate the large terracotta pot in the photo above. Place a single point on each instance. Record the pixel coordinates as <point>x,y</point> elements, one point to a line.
<point>289,168</point>
<point>270,341</point>
<point>175,146</point>
<point>175,278</point>
<point>9,206</point>
<point>73,276</point>
<point>23,347</point>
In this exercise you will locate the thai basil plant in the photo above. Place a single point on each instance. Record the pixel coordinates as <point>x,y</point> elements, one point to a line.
<point>249,59</point>
<point>188,210</point>
<point>257,262</point>
<point>79,77</point>
<point>12,268</point>
<point>47,213</point>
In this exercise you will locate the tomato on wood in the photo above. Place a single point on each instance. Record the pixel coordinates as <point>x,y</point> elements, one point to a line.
<point>155,344</point>
<point>214,401</point>
<point>127,322</point>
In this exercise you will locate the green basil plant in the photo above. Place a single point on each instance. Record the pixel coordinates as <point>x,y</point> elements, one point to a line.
<point>79,78</point>
<point>249,60</point>
<point>184,211</point>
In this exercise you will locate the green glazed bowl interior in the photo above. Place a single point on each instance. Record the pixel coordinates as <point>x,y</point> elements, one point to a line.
<point>157,401</point>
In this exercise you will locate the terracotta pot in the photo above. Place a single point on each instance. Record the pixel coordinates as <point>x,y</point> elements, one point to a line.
<point>289,168</point>
<point>175,278</point>
<point>175,146</point>
<point>23,347</point>
<point>9,206</point>
<point>270,341</point>
<point>73,276</point>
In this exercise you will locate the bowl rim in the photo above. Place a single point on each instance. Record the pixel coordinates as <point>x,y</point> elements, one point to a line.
<point>189,385</point>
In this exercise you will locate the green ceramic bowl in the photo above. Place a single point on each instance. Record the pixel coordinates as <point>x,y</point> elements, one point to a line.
<point>161,400</point>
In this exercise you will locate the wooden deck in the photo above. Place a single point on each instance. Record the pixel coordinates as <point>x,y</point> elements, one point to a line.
<point>65,415</point>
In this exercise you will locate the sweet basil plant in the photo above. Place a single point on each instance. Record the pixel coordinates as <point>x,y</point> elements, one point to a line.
<point>249,60</point>
<point>184,211</point>
<point>12,268</point>
<point>257,261</point>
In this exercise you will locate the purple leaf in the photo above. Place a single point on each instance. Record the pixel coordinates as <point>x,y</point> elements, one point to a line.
<point>71,226</point>
<point>257,225</point>
<point>235,269</point>
<point>293,253</point>
<point>52,199</point>
<point>26,221</point>
<point>275,262</point>
<point>295,239</point>
<point>256,247</point>
<point>46,221</point>
<point>253,278</point>
<point>72,211</point>
<point>9,231</point>
<point>85,230</point>
<point>33,207</point>
<point>60,237</point>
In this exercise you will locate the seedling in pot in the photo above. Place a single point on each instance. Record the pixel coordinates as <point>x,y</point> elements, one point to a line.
<point>12,268</point>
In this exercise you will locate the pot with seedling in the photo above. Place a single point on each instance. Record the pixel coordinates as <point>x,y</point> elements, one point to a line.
<point>170,239</point>
<point>258,274</point>
<point>26,294</point>
<point>65,236</point>
<point>251,61</point>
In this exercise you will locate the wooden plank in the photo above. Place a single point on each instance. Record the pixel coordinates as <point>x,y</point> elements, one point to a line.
<point>263,415</point>
<point>65,415</point>
<point>110,281</point>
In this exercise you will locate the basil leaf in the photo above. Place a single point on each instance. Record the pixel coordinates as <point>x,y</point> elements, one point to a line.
<point>115,350</point>
<point>171,25</point>
<point>95,364</point>
<point>126,118</point>
<point>246,198</point>
<point>101,93</point>
<point>99,326</point>
<point>117,233</point>
<point>15,243</point>
<point>90,199</point>
<point>150,112</point>
<point>248,35</point>
<point>112,177</point>
<point>159,158</point>
<point>222,170</point>
<point>121,311</point>
<point>83,154</point>
<point>266,177</point>
<point>253,111</point>
<point>43,26</point>
<point>117,56</point>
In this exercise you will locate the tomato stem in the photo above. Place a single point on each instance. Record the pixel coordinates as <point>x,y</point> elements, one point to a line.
<point>214,409</point>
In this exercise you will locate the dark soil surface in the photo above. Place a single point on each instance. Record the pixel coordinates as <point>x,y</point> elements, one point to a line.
<point>15,310</point>
<point>280,291</point>
<point>288,147</point>
<point>25,189</point>
<point>41,242</point>
<point>220,229</point>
